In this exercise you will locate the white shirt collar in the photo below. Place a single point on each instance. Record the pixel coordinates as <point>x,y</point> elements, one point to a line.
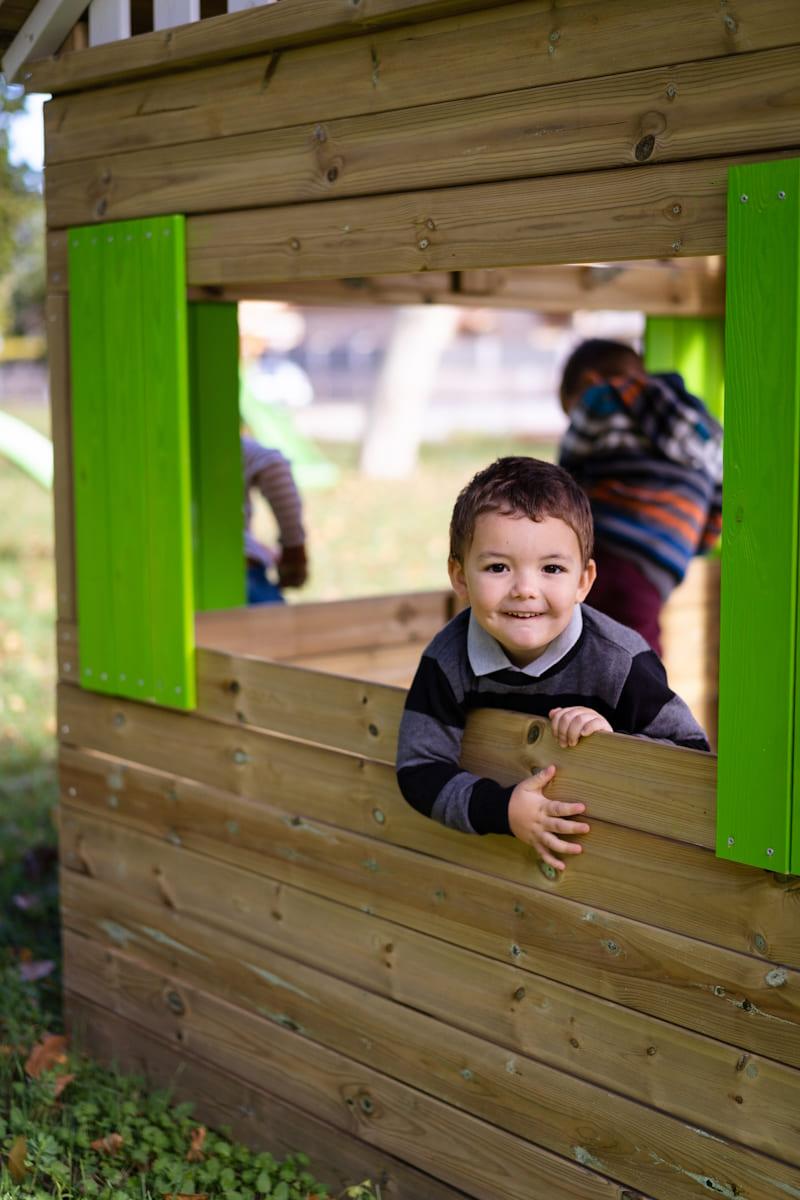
<point>486,655</point>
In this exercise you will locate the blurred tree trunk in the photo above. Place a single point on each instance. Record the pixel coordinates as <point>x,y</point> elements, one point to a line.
<point>395,419</point>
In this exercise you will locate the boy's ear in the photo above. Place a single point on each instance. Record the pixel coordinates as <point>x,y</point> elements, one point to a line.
<point>588,576</point>
<point>457,578</point>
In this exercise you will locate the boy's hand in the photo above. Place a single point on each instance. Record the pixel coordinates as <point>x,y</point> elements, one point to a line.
<point>292,566</point>
<point>537,820</point>
<point>571,724</point>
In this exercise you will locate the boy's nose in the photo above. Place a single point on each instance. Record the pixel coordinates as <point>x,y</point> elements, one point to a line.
<point>525,584</point>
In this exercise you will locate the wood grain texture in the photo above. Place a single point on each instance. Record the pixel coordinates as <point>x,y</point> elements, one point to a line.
<point>744,104</point>
<point>235,34</point>
<point>702,987</point>
<point>431,1054</point>
<point>463,1151</point>
<point>544,1107</point>
<point>329,626</point>
<point>569,44</point>
<point>255,1116</point>
<point>701,1080</point>
<point>57,317</point>
<point>483,54</point>
<point>628,781</point>
<point>655,880</point>
<point>670,209</point>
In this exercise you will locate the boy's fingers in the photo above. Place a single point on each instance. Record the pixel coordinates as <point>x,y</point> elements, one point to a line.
<point>564,808</point>
<point>557,826</point>
<point>554,843</point>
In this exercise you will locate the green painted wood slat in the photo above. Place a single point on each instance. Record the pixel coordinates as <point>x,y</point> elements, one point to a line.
<point>694,347</point>
<point>758,644</point>
<point>217,493</point>
<point>131,441</point>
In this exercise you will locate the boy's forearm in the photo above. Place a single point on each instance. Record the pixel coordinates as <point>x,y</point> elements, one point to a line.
<point>456,798</point>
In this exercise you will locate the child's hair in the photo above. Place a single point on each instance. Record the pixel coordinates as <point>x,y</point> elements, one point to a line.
<point>596,354</point>
<point>521,486</point>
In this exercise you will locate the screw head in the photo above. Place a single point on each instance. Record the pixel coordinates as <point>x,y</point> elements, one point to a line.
<point>770,851</point>
<point>423,243</point>
<point>731,841</point>
<point>781,195</point>
<point>743,198</point>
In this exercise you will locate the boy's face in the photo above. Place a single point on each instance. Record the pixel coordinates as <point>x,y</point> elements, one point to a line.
<point>522,579</point>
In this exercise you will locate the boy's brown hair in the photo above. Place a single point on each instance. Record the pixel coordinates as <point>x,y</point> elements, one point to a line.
<point>600,355</point>
<point>518,485</point>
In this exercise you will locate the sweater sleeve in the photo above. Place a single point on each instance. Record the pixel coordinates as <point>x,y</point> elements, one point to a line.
<point>268,470</point>
<point>429,748</point>
<point>647,706</point>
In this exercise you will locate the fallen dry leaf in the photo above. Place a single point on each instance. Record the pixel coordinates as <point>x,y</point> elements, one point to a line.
<point>30,972</point>
<point>16,1159</point>
<point>195,1151</point>
<point>112,1143</point>
<point>61,1083</point>
<point>46,1054</point>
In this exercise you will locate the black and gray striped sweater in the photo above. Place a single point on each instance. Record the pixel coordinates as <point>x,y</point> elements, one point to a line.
<point>610,669</point>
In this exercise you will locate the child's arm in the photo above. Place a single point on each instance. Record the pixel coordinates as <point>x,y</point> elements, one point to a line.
<point>428,753</point>
<point>431,780</point>
<point>649,708</point>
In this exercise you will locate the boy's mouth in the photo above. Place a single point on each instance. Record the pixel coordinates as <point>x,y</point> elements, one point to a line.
<point>522,616</point>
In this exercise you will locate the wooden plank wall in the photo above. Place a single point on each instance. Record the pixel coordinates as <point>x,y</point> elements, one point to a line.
<point>503,136</point>
<point>334,970</point>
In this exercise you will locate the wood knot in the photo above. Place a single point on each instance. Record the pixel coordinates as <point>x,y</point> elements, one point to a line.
<point>644,147</point>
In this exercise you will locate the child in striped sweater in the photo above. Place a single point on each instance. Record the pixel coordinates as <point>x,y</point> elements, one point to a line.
<point>649,457</point>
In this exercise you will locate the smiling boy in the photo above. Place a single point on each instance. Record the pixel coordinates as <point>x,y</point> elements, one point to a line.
<point>520,557</point>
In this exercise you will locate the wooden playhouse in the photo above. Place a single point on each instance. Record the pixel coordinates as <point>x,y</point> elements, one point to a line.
<point>251,912</point>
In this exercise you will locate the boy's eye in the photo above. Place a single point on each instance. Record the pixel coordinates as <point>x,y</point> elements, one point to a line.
<point>554,569</point>
<point>497,568</point>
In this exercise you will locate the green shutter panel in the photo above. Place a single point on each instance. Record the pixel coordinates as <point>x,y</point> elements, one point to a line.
<point>132,463</point>
<point>758,653</point>
<point>693,346</point>
<point>218,492</point>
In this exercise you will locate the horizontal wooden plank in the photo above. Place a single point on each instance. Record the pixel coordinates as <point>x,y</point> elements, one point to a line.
<point>463,1151</point>
<point>628,781</point>
<point>743,1097</point>
<point>593,125</point>
<point>689,286</point>
<point>703,987</point>
<point>256,1117</point>
<point>655,880</point>
<point>574,44</point>
<point>670,209</point>
<point>328,626</point>
<point>431,1054</point>
<point>481,54</point>
<point>639,1146</point>
<point>233,35</point>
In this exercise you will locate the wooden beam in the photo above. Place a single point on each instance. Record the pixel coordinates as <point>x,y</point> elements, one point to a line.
<point>666,211</point>
<point>588,126</point>
<point>233,35</point>
<point>43,32</point>
<point>483,54</point>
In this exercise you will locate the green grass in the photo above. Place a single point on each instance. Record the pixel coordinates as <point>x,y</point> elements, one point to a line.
<point>364,538</point>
